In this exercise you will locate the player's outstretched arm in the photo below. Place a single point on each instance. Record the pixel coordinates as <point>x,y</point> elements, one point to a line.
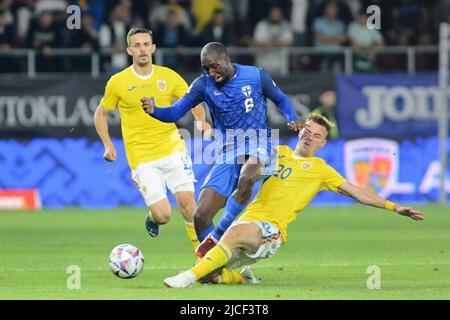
<point>370,198</point>
<point>280,99</point>
<point>193,97</point>
<point>167,114</point>
<point>101,125</point>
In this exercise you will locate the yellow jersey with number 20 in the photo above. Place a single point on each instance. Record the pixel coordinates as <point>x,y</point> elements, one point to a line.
<point>145,138</point>
<point>295,183</point>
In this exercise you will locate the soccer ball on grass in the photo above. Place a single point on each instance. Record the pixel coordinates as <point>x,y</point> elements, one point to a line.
<point>126,261</point>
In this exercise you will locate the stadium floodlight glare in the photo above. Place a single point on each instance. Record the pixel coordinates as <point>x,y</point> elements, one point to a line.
<point>443,105</point>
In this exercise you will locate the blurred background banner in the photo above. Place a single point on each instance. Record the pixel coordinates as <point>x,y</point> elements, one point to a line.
<point>56,107</point>
<point>72,172</point>
<point>387,105</point>
<point>63,107</point>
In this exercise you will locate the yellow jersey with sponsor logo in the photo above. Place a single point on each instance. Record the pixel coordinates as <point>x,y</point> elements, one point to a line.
<point>145,138</point>
<point>291,188</point>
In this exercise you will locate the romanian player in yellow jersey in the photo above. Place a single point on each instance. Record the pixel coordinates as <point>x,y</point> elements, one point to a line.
<point>262,228</point>
<point>155,151</point>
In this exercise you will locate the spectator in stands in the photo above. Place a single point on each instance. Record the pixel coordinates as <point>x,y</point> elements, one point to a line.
<point>329,32</point>
<point>217,30</point>
<point>45,35</point>
<point>159,13</point>
<point>5,8</point>
<point>113,35</point>
<point>258,10</point>
<point>241,32</point>
<point>405,15</point>
<point>273,32</point>
<point>298,21</point>
<point>97,10</point>
<point>327,108</point>
<point>53,6</point>
<point>366,41</point>
<point>23,10</point>
<point>172,34</point>
<point>8,64</point>
<point>203,11</point>
<point>58,10</point>
<point>344,11</point>
<point>85,38</point>
<point>344,14</point>
<point>6,33</point>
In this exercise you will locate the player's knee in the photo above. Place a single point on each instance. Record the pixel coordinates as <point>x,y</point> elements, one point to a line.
<point>201,217</point>
<point>233,236</point>
<point>161,216</point>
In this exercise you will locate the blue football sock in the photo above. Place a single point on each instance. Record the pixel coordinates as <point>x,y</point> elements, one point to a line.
<point>204,233</point>
<point>232,210</point>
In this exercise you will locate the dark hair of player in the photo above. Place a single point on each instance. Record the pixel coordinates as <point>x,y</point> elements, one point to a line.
<point>134,31</point>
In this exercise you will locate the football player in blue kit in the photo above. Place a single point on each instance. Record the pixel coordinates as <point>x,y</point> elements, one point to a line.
<point>236,97</point>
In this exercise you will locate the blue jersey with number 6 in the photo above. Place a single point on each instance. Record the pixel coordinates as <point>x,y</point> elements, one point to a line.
<point>239,112</point>
<point>240,104</point>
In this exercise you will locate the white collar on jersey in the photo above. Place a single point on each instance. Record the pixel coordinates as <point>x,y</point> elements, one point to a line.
<point>141,76</point>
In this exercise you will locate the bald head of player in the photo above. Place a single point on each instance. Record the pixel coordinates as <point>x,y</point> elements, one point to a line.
<point>216,62</point>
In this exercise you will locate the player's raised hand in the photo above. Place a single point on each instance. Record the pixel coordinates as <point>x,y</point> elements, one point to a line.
<point>148,104</point>
<point>110,154</point>
<point>295,125</point>
<point>410,212</point>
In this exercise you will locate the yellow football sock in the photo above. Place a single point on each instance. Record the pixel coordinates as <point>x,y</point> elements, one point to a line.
<point>192,236</point>
<point>228,277</point>
<point>214,259</point>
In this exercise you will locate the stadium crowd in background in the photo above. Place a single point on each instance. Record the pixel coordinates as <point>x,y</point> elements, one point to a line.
<point>40,24</point>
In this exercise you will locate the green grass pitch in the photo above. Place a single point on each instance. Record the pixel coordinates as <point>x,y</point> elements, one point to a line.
<point>327,255</point>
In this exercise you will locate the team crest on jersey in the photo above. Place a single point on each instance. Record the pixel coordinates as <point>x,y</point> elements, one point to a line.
<point>306,165</point>
<point>161,85</point>
<point>247,90</point>
<point>372,164</point>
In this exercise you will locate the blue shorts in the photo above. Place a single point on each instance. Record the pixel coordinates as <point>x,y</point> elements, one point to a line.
<point>223,177</point>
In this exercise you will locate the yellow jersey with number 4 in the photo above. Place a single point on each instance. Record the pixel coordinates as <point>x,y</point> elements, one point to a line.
<point>291,188</point>
<point>145,138</point>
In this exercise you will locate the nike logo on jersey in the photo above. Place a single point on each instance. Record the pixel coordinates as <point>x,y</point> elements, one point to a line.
<point>132,88</point>
<point>217,93</point>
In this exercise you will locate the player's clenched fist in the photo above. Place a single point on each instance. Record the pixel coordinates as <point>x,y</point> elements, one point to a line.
<point>148,104</point>
<point>295,125</point>
<point>110,153</point>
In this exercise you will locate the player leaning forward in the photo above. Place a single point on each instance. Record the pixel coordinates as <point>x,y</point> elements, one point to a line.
<point>236,97</point>
<point>155,151</point>
<point>261,229</point>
